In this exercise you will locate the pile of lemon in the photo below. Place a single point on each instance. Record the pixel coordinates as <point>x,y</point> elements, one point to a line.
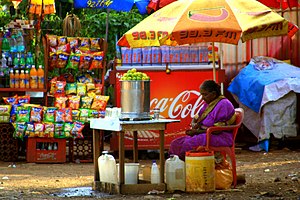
<point>133,75</point>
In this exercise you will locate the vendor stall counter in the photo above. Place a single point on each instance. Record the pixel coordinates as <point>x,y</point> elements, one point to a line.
<point>121,126</point>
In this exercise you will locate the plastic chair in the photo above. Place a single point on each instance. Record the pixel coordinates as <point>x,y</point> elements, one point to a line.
<point>229,150</point>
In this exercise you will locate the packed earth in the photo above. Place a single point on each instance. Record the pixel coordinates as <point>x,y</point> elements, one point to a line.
<point>268,175</point>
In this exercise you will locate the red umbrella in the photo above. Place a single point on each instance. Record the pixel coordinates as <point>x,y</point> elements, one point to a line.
<point>155,5</point>
<point>284,4</point>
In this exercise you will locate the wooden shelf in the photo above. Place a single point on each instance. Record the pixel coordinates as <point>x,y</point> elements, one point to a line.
<point>21,90</point>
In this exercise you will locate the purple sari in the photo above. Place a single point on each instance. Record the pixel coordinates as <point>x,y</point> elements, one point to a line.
<point>222,112</point>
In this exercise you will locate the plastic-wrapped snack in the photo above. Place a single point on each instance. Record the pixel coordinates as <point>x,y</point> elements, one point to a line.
<point>93,114</point>
<point>64,48</point>
<point>49,114</point>
<point>81,89</point>
<point>86,102</point>
<point>84,114</point>
<point>75,115</point>
<point>85,61</point>
<point>77,130</point>
<point>59,130</point>
<point>74,102</point>
<point>61,40</point>
<point>73,62</point>
<point>60,115</point>
<point>97,61</point>
<point>95,44</point>
<point>73,41</point>
<point>11,100</point>
<point>23,114</point>
<point>39,129</point>
<point>90,87</point>
<point>62,60</point>
<point>68,115</point>
<point>5,111</point>
<point>23,99</point>
<point>98,88</point>
<point>49,129</point>
<point>60,88</point>
<point>52,40</point>
<point>36,114</point>
<point>71,88</point>
<point>20,129</point>
<point>84,44</point>
<point>100,102</point>
<point>60,102</point>
<point>68,128</point>
<point>52,61</point>
<point>13,113</point>
<point>30,130</point>
<point>52,85</point>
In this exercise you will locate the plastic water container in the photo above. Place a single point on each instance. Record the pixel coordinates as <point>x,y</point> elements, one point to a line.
<point>175,173</point>
<point>200,171</point>
<point>107,169</point>
<point>131,172</point>
<point>155,178</point>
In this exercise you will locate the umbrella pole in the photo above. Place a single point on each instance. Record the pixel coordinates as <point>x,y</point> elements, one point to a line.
<point>214,61</point>
<point>106,27</point>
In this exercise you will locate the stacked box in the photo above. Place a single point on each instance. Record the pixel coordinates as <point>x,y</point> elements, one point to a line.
<point>156,55</point>
<point>147,55</point>
<point>136,58</point>
<point>175,54</point>
<point>184,54</point>
<point>194,54</point>
<point>126,56</point>
<point>165,54</point>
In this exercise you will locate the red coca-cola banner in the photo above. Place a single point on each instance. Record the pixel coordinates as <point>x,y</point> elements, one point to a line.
<point>178,97</point>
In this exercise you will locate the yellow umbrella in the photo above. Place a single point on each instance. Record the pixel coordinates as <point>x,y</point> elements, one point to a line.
<point>194,21</point>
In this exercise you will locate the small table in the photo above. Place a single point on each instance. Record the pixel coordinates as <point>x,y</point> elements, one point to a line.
<point>121,127</point>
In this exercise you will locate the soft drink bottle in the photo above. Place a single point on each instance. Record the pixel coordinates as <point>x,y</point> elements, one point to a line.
<point>11,79</point>
<point>22,79</point>
<point>41,79</point>
<point>27,85</point>
<point>20,42</point>
<point>22,62</point>
<point>33,78</point>
<point>17,79</point>
<point>13,44</point>
<point>10,61</point>
<point>29,61</point>
<point>3,61</point>
<point>16,61</point>
<point>5,44</point>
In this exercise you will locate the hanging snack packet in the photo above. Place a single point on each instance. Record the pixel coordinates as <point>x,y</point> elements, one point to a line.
<point>81,89</point>
<point>73,41</point>
<point>36,114</point>
<point>13,113</point>
<point>90,87</point>
<point>86,102</point>
<point>85,61</point>
<point>52,40</point>
<point>77,130</point>
<point>97,61</point>
<point>49,129</point>
<point>61,40</point>
<point>11,100</point>
<point>98,88</point>
<point>84,114</point>
<point>73,62</point>
<point>60,88</point>
<point>23,114</point>
<point>68,128</point>
<point>62,60</point>
<point>5,111</point>
<point>75,115</point>
<point>52,61</point>
<point>100,102</point>
<point>60,115</point>
<point>39,129</point>
<point>24,99</point>
<point>93,114</point>
<point>29,130</point>
<point>52,85</point>
<point>71,88</point>
<point>49,114</point>
<point>68,115</point>
<point>95,44</point>
<point>59,130</point>
<point>74,102</point>
<point>84,44</point>
<point>20,129</point>
<point>60,102</point>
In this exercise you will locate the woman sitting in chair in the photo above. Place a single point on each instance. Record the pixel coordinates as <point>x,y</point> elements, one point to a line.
<point>216,111</point>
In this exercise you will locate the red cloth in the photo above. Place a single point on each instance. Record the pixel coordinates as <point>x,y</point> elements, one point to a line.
<point>276,3</point>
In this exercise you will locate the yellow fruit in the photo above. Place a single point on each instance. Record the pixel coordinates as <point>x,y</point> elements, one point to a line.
<point>133,70</point>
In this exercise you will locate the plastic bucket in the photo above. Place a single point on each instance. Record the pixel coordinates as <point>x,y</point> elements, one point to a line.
<point>107,168</point>
<point>200,171</point>
<point>131,173</point>
<point>135,99</point>
<point>175,174</point>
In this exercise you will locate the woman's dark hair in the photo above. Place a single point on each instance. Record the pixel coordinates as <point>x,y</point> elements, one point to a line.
<point>210,86</point>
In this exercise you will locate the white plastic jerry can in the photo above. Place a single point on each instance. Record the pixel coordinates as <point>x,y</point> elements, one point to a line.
<point>107,169</point>
<point>175,173</point>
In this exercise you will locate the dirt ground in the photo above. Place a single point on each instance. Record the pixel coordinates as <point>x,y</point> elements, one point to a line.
<point>272,175</point>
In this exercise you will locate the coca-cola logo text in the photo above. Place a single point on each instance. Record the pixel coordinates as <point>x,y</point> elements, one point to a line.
<point>181,106</point>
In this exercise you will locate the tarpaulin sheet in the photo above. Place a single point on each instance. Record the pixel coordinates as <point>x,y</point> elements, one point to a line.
<point>249,84</point>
